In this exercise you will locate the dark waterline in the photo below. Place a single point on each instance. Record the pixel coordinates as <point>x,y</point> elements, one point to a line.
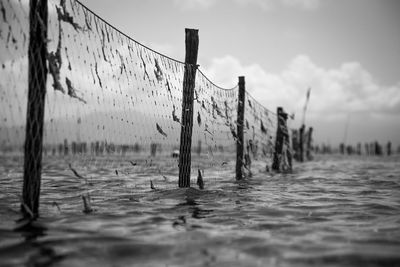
<point>334,211</point>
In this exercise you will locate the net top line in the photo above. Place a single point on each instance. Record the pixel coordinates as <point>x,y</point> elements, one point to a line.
<point>219,87</point>
<point>159,53</point>
<point>258,103</point>
<point>163,55</point>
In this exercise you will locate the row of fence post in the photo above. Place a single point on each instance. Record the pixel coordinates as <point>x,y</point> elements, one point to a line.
<point>35,112</point>
<point>282,135</point>
<point>302,146</point>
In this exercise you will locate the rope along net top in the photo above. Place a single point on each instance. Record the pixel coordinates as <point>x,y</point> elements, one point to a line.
<point>113,106</point>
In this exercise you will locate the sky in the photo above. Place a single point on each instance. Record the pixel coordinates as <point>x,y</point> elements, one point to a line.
<point>346,51</point>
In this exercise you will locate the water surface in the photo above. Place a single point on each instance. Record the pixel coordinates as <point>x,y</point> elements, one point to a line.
<point>333,211</point>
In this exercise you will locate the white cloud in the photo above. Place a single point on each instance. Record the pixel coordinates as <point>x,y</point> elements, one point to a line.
<point>334,94</point>
<point>306,4</point>
<point>191,4</point>
<point>264,4</point>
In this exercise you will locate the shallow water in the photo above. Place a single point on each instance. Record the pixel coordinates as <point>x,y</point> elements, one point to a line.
<point>333,211</point>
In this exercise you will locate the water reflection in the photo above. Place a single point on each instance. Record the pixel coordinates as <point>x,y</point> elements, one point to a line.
<point>38,252</point>
<point>30,229</point>
<point>195,208</point>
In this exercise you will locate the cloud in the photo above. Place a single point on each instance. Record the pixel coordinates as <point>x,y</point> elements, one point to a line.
<point>192,4</point>
<point>264,4</point>
<point>305,4</point>
<point>334,92</point>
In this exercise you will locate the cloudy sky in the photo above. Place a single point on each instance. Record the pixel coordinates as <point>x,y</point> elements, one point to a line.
<point>347,51</point>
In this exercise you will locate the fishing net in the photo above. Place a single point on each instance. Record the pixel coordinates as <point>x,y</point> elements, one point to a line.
<point>113,107</point>
<point>14,28</point>
<point>259,134</point>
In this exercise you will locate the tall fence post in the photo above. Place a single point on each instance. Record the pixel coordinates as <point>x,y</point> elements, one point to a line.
<point>301,142</point>
<point>240,123</point>
<point>282,154</point>
<point>278,140</point>
<point>295,144</point>
<point>309,143</point>
<point>37,76</point>
<point>189,77</point>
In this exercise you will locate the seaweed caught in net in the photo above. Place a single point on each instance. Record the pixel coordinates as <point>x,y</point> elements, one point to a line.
<point>259,133</point>
<point>113,107</point>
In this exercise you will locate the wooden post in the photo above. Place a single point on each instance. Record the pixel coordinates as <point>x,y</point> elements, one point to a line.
<point>282,154</point>
<point>189,77</point>
<point>37,76</point>
<point>295,144</point>
<point>240,122</point>
<point>301,143</point>
<point>309,143</point>
<point>278,140</point>
<point>388,148</point>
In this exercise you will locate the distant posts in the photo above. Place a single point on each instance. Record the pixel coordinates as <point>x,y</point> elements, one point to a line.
<point>309,143</point>
<point>239,123</point>
<point>366,148</point>
<point>282,160</point>
<point>359,149</point>
<point>189,77</point>
<point>295,144</point>
<point>341,148</point>
<point>389,148</point>
<point>301,143</point>
<point>153,149</point>
<point>37,76</point>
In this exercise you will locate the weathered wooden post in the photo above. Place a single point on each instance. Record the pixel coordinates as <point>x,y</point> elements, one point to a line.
<point>301,143</point>
<point>389,148</point>
<point>309,143</point>
<point>37,76</point>
<point>295,144</point>
<point>282,138</point>
<point>240,122</point>
<point>189,77</point>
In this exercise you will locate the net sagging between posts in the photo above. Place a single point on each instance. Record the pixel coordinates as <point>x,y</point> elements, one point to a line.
<point>110,94</point>
<point>259,133</point>
<point>214,122</point>
<point>14,37</point>
<point>113,104</point>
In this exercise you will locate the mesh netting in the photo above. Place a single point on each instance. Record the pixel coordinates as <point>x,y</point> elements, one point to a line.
<point>14,37</point>
<point>113,106</point>
<point>214,126</point>
<point>259,132</point>
<point>110,95</point>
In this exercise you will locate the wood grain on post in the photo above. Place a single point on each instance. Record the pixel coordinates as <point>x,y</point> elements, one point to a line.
<point>301,143</point>
<point>278,140</point>
<point>37,75</point>
<point>189,77</point>
<point>309,143</point>
<point>240,122</point>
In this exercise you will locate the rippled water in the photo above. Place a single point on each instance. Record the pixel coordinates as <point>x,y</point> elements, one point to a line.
<point>334,211</point>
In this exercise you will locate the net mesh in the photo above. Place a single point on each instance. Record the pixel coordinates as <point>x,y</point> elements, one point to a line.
<point>259,132</point>
<point>14,29</point>
<point>113,107</point>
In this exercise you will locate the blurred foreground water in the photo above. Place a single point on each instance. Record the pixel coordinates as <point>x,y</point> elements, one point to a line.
<point>334,211</point>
